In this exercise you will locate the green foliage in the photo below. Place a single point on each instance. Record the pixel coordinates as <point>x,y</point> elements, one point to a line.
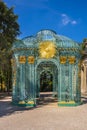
<point>9,29</point>
<point>85,40</point>
<point>84,43</point>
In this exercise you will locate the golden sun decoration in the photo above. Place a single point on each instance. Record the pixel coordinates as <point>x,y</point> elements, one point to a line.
<point>47,49</point>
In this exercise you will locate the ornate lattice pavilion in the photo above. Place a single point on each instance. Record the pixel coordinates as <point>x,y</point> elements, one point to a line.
<point>48,53</point>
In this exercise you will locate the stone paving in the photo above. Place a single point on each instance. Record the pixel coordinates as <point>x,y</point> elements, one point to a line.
<point>43,117</point>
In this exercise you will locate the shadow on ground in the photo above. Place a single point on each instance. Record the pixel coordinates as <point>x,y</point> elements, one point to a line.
<point>7,108</point>
<point>46,98</point>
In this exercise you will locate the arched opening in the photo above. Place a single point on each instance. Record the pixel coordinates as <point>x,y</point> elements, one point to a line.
<point>47,82</point>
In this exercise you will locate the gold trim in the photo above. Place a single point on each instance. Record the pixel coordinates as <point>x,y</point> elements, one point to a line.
<point>47,49</point>
<point>63,59</point>
<point>30,102</point>
<point>22,59</point>
<point>31,59</point>
<point>71,59</point>
<point>21,102</point>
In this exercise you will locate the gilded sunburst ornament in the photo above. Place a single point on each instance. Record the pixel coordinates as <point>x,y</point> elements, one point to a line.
<point>47,49</point>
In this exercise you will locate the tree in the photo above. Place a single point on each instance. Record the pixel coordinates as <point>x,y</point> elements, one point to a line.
<point>9,29</point>
<point>84,43</point>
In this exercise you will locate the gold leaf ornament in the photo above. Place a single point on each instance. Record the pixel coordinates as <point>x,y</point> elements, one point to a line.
<point>21,102</point>
<point>71,59</point>
<point>63,59</point>
<point>30,102</point>
<point>22,59</point>
<point>47,49</point>
<point>31,59</point>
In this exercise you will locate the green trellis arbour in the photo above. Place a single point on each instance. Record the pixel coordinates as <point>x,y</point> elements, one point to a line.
<point>51,54</point>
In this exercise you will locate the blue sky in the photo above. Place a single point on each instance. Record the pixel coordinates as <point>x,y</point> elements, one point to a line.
<point>65,17</point>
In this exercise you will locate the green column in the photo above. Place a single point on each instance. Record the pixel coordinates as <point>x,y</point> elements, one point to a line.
<point>22,81</point>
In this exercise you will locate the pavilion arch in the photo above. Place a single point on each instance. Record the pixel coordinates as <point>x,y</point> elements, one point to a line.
<point>45,66</point>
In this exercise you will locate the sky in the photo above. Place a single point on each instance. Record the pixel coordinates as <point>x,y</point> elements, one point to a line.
<point>65,17</point>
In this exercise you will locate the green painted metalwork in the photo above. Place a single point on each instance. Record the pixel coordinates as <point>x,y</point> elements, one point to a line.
<point>28,66</point>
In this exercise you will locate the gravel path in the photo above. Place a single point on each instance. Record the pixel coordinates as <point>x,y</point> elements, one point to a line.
<point>44,117</point>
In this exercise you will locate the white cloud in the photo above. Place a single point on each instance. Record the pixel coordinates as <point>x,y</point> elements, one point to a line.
<point>67,20</point>
<point>73,22</point>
